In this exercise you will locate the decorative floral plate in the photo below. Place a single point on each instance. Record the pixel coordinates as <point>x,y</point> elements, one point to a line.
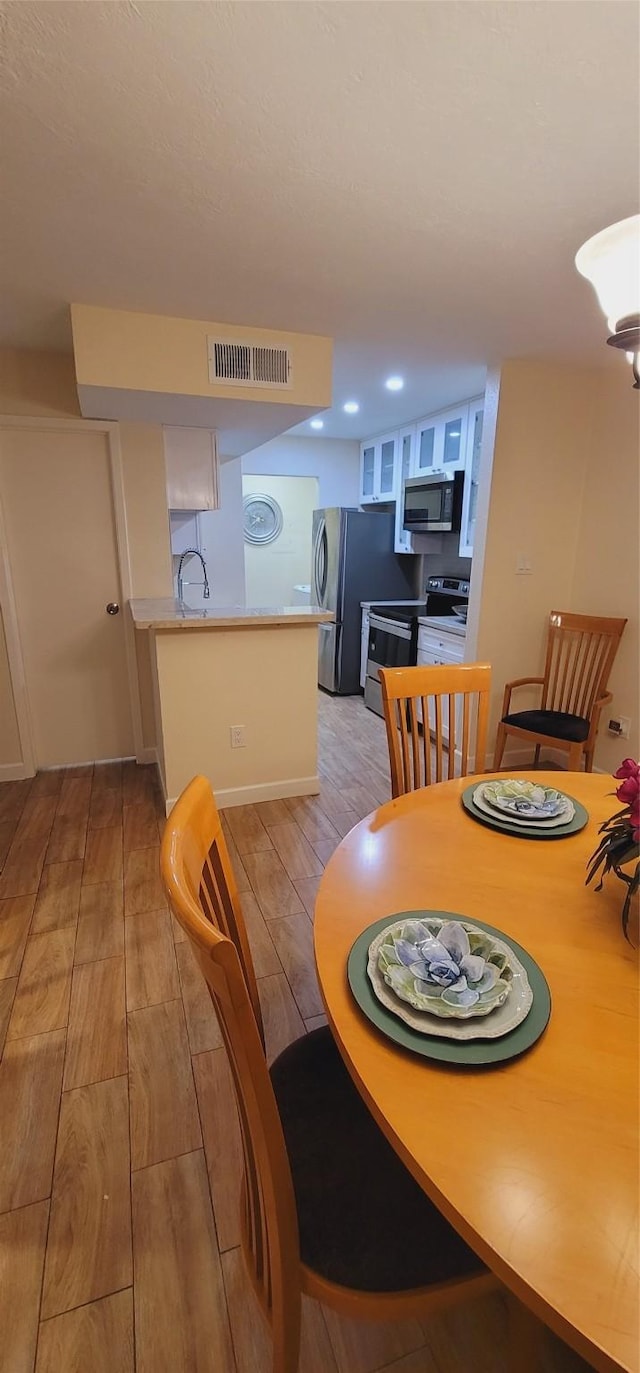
<point>444,977</point>
<point>525,800</point>
<point>519,818</point>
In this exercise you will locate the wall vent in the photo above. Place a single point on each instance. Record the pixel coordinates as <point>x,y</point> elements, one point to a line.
<point>249,364</point>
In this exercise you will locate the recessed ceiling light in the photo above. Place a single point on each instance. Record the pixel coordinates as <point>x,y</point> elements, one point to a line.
<point>394,383</point>
<point>351,407</point>
<point>317,424</point>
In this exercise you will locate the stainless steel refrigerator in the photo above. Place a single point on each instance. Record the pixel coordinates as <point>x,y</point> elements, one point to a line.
<point>353,561</point>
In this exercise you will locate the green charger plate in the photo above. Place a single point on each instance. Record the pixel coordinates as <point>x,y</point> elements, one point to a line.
<point>471,1053</point>
<point>524,831</point>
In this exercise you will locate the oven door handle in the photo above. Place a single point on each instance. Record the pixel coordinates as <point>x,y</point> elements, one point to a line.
<point>389,627</point>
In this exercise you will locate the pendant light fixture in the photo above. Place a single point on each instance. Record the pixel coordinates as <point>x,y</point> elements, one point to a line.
<point>611,262</point>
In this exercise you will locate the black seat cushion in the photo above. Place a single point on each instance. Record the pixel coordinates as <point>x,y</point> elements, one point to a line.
<point>364,1222</point>
<point>555,723</point>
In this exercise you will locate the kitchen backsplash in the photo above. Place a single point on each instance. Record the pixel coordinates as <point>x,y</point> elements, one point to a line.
<point>446,563</point>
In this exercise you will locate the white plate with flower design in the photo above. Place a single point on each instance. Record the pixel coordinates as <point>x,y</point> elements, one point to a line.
<point>448,978</point>
<point>520,802</point>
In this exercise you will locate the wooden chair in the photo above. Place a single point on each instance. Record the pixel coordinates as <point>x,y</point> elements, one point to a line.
<point>411,695</point>
<point>580,654</point>
<point>327,1206</point>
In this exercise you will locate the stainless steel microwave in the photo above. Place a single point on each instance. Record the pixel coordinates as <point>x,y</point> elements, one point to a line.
<point>433,504</point>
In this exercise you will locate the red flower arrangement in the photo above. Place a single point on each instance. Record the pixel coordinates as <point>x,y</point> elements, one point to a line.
<point>621,840</point>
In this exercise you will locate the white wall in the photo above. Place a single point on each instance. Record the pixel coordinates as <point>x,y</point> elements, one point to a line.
<point>335,462</point>
<point>273,570</point>
<point>559,485</point>
<point>607,569</point>
<point>221,539</point>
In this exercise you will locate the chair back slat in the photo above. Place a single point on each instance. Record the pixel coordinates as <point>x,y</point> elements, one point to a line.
<point>466,722</point>
<point>439,742</point>
<point>579,658</point>
<point>587,680</point>
<point>211,882</point>
<point>452,737</point>
<point>427,751</point>
<point>195,871</point>
<point>413,692</point>
<point>415,741</point>
<point>575,674</point>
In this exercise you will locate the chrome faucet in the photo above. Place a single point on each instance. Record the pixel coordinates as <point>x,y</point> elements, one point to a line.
<point>193,552</point>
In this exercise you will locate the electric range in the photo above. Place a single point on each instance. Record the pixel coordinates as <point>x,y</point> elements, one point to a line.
<point>393,631</point>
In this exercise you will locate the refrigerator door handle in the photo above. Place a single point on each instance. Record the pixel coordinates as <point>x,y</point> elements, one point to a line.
<point>320,564</point>
<point>314,565</point>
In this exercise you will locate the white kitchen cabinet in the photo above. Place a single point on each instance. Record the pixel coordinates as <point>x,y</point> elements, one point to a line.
<point>425,447</point>
<point>448,441</point>
<point>472,473</point>
<point>442,643</point>
<point>437,648</point>
<point>403,542</point>
<point>364,646</point>
<point>379,470</point>
<point>441,441</point>
<point>191,461</point>
<point>368,473</point>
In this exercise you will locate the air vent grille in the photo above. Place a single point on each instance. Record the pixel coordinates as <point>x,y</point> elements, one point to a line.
<point>249,364</point>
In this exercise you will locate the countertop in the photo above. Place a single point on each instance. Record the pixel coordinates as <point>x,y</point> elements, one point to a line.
<point>451,624</point>
<point>167,613</point>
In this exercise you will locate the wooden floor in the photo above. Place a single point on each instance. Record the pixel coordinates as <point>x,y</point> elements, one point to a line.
<point>119,1166</point>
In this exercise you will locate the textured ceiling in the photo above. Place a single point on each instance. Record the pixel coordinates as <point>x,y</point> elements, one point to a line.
<point>412,179</point>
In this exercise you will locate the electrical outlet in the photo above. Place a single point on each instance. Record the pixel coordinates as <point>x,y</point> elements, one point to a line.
<point>237,736</point>
<point>620,726</point>
<point>523,565</point>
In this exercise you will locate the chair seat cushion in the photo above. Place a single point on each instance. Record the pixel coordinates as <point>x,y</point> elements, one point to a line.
<point>555,723</point>
<point>363,1220</point>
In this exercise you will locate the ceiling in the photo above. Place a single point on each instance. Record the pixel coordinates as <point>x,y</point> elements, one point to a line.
<point>412,179</point>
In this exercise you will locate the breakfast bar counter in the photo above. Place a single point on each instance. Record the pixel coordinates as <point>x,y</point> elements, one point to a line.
<point>166,613</point>
<point>235,697</point>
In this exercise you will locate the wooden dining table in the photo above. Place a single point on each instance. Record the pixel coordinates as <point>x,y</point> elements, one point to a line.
<point>535,1160</point>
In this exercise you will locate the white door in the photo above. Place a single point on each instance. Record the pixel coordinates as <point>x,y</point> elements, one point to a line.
<point>56,493</point>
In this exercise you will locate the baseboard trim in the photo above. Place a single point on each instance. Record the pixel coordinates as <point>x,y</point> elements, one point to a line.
<point>262,791</point>
<point>147,755</point>
<point>14,772</point>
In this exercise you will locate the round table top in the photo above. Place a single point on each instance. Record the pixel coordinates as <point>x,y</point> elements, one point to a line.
<point>534,1161</point>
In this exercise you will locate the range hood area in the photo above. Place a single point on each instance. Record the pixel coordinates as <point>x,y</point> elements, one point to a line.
<point>249,385</point>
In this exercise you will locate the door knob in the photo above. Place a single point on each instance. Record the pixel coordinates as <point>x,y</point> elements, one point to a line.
<point>113,608</point>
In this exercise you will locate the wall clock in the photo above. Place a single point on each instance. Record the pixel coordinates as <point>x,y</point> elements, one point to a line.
<point>262,519</point>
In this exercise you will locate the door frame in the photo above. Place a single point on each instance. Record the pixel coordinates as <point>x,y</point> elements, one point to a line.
<point>111,430</point>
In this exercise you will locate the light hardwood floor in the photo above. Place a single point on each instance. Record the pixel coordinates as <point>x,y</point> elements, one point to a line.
<point>119,1155</point>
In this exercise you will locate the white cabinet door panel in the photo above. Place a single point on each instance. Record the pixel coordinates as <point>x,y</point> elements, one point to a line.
<point>191,460</point>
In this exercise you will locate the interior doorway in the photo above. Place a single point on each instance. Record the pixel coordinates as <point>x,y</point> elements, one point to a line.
<point>60,528</point>
<point>278,521</point>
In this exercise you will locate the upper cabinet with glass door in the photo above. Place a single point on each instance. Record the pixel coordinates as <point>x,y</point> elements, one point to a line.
<point>446,442</point>
<point>368,473</point>
<point>441,442</point>
<point>378,470</point>
<point>425,448</point>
